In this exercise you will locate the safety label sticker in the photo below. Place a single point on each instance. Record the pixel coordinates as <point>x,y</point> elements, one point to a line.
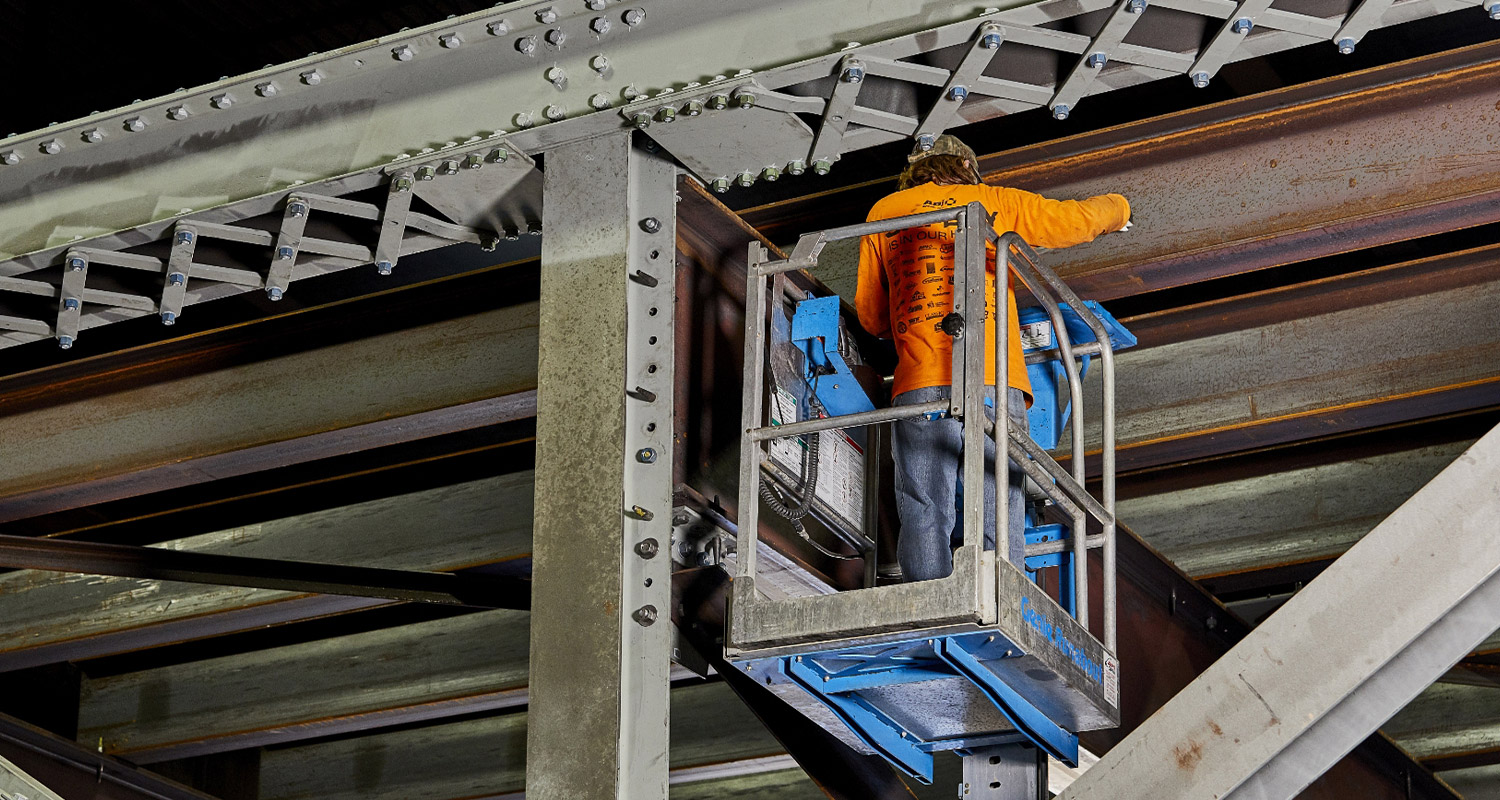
<point>1036,335</point>
<point>841,463</point>
<point>1112,680</point>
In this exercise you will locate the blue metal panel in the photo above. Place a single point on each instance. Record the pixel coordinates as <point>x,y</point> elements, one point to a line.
<point>1052,533</point>
<point>815,331</point>
<point>1050,410</point>
<point>1043,732</point>
<point>874,728</point>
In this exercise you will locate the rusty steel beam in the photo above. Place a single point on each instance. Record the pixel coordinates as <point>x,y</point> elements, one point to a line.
<point>75,771</point>
<point>1266,180</point>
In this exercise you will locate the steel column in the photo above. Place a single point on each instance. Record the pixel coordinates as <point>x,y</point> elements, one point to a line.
<point>1389,617</point>
<point>1006,772</point>
<point>601,630</point>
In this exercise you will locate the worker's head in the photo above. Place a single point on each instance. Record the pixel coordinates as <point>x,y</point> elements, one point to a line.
<point>949,161</point>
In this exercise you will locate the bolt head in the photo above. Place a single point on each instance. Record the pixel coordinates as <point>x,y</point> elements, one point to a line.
<point>634,16</point>
<point>1097,61</point>
<point>646,455</point>
<point>718,102</point>
<point>645,616</point>
<point>70,303</point>
<point>547,16</point>
<point>403,53</point>
<point>403,183</point>
<point>135,124</point>
<point>557,75</point>
<point>312,77</point>
<point>959,93</point>
<point>822,166</point>
<point>384,267</point>
<point>93,135</point>
<point>692,108</point>
<point>599,25</point>
<point>771,173</point>
<point>274,293</point>
<point>926,141</point>
<point>1060,112</point>
<point>498,28</point>
<point>425,173</point>
<point>1346,46</point>
<point>533,229</point>
<point>1243,26</point>
<point>65,342</point>
<point>1495,11</point>
<point>499,155</point>
<point>285,253</point>
<point>473,161</point>
<point>666,114</point>
<point>555,113</point>
<point>991,41</point>
<point>266,89</point>
<point>168,318</point>
<point>594,5</point>
<point>177,112</point>
<point>76,264</point>
<point>796,167</point>
<point>296,208</point>
<point>650,224</point>
<point>744,99</point>
<point>177,279</point>
<point>1137,6</point>
<point>51,147</point>
<point>746,178</point>
<point>184,237</point>
<point>599,102</point>
<point>599,63</point>
<point>556,37</point>
<point>720,185</point>
<point>10,158</point>
<point>853,74</point>
<point>451,40</point>
<point>647,548</point>
<point>641,120</point>
<point>1200,79</point>
<point>450,167</point>
<point>221,101</point>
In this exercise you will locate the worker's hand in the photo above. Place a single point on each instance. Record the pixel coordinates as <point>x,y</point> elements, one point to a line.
<point>1126,227</point>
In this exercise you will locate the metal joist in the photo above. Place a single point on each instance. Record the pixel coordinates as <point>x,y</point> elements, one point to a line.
<point>1106,42</point>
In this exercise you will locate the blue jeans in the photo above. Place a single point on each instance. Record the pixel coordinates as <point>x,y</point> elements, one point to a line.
<point>928,456</point>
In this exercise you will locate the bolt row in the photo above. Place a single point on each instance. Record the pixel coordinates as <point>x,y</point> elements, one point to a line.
<point>742,98</point>
<point>748,178</point>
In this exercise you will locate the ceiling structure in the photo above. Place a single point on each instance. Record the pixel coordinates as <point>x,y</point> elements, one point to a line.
<point>1314,259</point>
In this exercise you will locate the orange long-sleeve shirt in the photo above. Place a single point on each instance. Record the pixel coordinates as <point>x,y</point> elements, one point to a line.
<point>906,278</point>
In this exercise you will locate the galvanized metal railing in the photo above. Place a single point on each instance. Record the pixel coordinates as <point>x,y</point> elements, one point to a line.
<point>970,327</point>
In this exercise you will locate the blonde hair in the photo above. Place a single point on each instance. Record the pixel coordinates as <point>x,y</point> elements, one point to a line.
<point>943,169</point>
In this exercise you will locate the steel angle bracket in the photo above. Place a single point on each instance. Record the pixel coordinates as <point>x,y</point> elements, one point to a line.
<point>987,41</point>
<point>882,734</point>
<point>1033,724</point>
<point>487,184</point>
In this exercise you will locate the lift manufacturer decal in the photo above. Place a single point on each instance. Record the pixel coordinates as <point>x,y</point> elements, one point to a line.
<point>1054,636</point>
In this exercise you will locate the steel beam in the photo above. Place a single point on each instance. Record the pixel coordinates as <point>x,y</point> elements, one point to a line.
<point>75,771</point>
<point>1339,659</point>
<point>1318,169</point>
<point>301,577</point>
<point>600,646</point>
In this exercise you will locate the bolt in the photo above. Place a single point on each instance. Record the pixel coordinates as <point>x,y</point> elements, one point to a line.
<point>770,173</point>
<point>650,224</point>
<point>554,113</point>
<point>747,178</point>
<point>473,161</point>
<point>498,28</point>
<point>285,253</point>
<point>499,155</point>
<point>666,114</point>
<point>274,293</point>
<point>599,63</point>
<point>641,119</point>
<point>718,102</point>
<point>926,141</point>
<point>384,267</point>
<point>177,279</point>
<point>70,304</point>
<point>296,207</point>
<point>168,318</point>
<point>558,76</point>
<point>221,101</point>
<point>266,89</point>
<point>177,112</point>
<point>523,119</point>
<point>1200,79</point>
<point>450,40</point>
<point>450,167</point>
<point>184,237</point>
<point>991,40</point>
<point>796,167</point>
<point>594,5</point>
<point>526,44</point>
<point>599,25</point>
<point>51,147</point>
<point>76,264</point>
<point>1494,9</point>
<point>634,16</point>
<point>403,183</point>
<point>556,37</point>
<point>853,73</point>
<point>1137,6</point>
<point>1096,61</point>
<point>744,98</point>
<point>93,135</point>
<point>547,16</point>
<point>403,53</point>
<point>720,185</point>
<point>646,455</point>
<point>959,93</point>
<point>135,124</point>
<point>1243,26</point>
<point>10,158</point>
<point>312,77</point>
<point>822,166</point>
<point>1346,46</point>
<point>645,616</point>
<point>65,342</point>
<point>692,108</point>
<point>533,229</point>
<point>599,102</point>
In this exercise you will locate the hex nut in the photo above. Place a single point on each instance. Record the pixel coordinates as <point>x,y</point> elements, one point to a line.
<point>721,185</point>
<point>450,40</point>
<point>547,16</point>
<point>51,147</point>
<point>498,28</point>
<point>403,53</point>
<point>647,548</point>
<point>93,135</point>
<point>425,173</point>
<point>526,44</point>
<point>650,224</point>
<point>599,102</point>
<point>266,89</point>
<point>599,25</point>
<point>718,102</point>
<point>822,166</point>
<point>599,63</point>
<point>312,77</point>
<point>555,113</point>
<point>10,158</point>
<point>557,75</point>
<point>499,155</point>
<point>1060,112</point>
<point>634,16</point>
<point>135,124</point>
<point>594,5</point>
<point>747,178</point>
<point>796,167</point>
<point>177,112</point>
<point>556,37</point>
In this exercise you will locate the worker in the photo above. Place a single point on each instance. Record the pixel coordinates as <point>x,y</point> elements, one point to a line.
<point>905,288</point>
